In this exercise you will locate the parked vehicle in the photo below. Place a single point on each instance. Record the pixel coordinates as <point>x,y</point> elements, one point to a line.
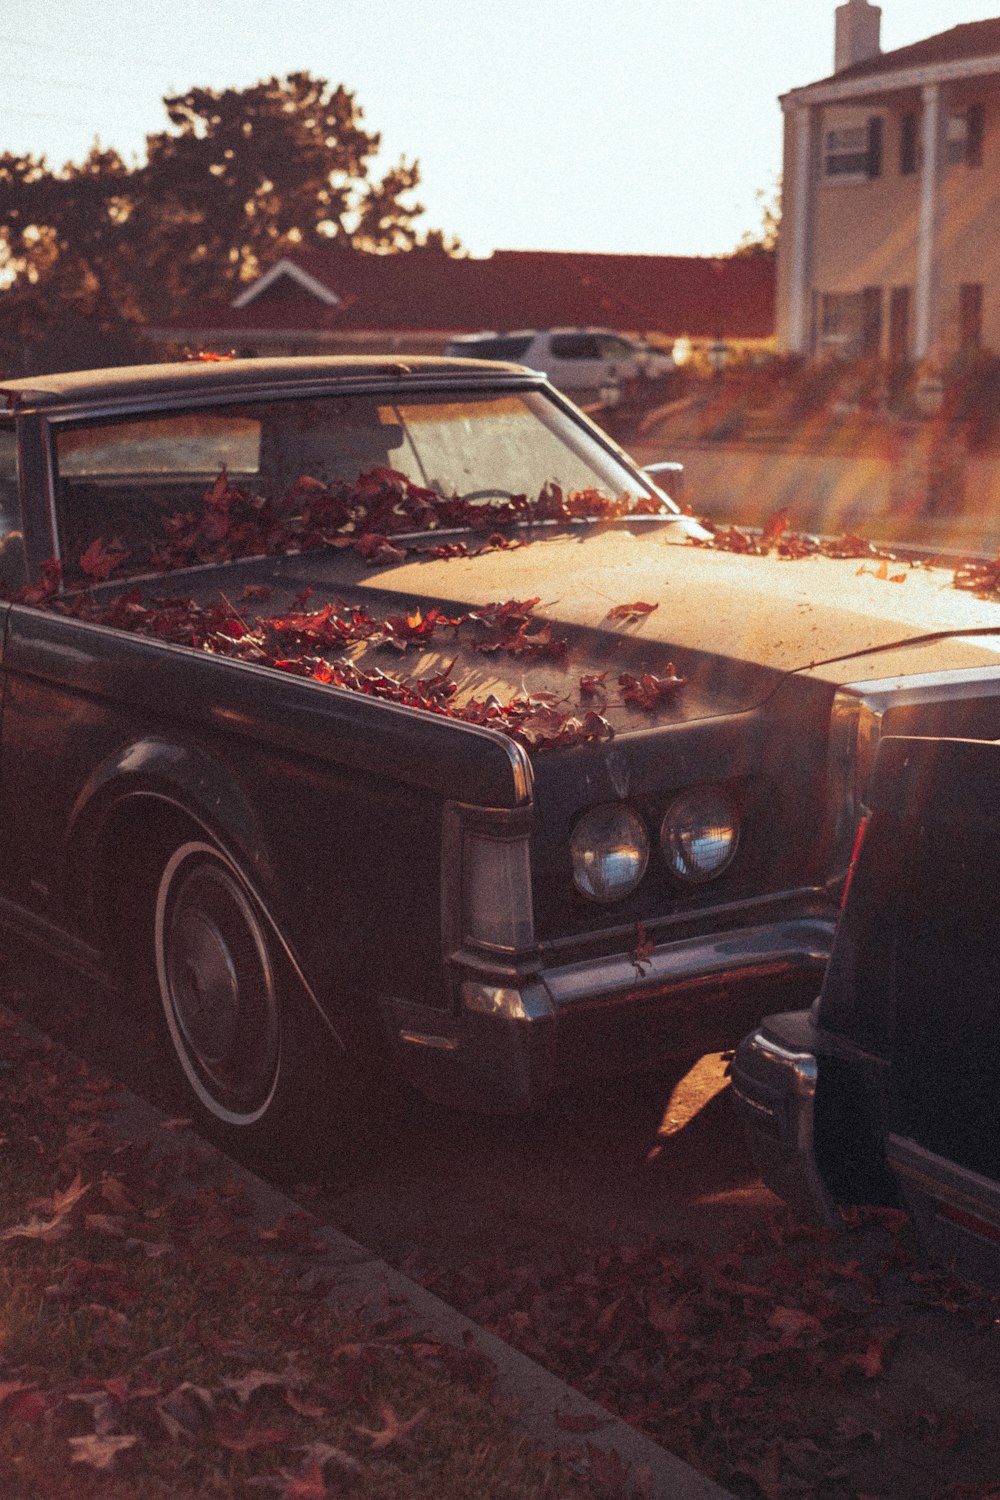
<point>589,364</point>
<point>383,721</point>
<point>886,1091</point>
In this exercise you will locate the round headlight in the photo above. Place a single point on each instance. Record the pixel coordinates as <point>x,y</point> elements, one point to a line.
<point>610,851</point>
<point>699,833</point>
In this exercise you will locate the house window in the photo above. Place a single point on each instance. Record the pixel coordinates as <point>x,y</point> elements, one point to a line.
<point>970,315</point>
<point>851,323</point>
<point>853,150</point>
<point>908,144</point>
<point>964,137</point>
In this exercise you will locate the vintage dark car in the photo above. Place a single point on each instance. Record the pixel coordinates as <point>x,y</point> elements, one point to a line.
<point>382,721</point>
<point>886,1091</point>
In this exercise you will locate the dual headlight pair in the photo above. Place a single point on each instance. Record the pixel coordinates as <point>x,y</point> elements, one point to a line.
<point>610,845</point>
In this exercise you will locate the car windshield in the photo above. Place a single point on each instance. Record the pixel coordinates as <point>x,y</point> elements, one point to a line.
<point>473,458</point>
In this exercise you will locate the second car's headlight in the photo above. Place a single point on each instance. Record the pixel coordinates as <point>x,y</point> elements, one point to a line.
<point>610,851</point>
<point>699,833</point>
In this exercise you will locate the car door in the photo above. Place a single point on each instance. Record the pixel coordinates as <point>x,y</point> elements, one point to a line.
<point>945,945</point>
<point>13,572</point>
<point>575,364</point>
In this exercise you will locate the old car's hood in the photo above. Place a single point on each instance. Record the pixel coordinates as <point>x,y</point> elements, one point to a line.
<point>733,625</point>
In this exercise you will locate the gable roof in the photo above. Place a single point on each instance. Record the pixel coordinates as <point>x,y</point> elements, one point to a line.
<point>966,51</point>
<point>973,39</point>
<point>665,294</point>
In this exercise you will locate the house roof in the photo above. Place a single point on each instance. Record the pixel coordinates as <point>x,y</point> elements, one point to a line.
<point>974,39</point>
<point>664,294</point>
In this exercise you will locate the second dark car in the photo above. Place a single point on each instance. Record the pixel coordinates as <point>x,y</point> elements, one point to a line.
<point>887,1091</point>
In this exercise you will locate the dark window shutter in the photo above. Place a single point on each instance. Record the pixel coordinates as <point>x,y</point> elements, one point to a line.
<point>970,315</point>
<point>871,320</point>
<point>975,131</point>
<point>875,146</point>
<point>908,145</point>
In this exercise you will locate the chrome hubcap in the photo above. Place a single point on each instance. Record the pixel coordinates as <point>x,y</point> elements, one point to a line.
<point>218,985</point>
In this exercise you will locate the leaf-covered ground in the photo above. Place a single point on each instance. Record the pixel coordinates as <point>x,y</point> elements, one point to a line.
<point>155,1341</point>
<point>797,1364</point>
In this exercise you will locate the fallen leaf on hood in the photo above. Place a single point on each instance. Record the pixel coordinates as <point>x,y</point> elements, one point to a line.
<point>637,611</point>
<point>774,527</point>
<point>100,562</point>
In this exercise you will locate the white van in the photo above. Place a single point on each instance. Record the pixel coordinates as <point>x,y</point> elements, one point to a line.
<point>589,364</point>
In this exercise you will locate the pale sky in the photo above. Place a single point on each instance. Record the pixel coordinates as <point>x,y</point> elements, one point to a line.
<point>644,126</point>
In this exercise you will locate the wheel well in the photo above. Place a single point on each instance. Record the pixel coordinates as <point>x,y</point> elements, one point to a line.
<point>135,841</point>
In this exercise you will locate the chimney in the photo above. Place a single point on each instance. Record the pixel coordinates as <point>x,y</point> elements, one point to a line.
<point>858,33</point>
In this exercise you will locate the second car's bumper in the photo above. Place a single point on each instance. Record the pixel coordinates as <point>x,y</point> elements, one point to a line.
<point>774,1076</point>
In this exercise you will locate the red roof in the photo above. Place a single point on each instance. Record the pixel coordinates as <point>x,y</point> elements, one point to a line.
<point>665,294</point>
<point>974,39</point>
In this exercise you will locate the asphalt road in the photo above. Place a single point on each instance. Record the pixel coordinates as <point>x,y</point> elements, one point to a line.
<point>651,1154</point>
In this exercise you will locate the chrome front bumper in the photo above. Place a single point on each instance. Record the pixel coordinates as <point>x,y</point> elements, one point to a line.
<point>774,1085</point>
<point>514,1036</point>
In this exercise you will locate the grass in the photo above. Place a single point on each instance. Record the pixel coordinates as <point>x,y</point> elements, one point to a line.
<point>154,1341</point>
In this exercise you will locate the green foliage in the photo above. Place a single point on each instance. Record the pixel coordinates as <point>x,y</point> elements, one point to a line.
<point>764,240</point>
<point>238,178</point>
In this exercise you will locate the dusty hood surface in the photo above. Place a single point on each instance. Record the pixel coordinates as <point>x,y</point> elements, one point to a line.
<point>732,625</point>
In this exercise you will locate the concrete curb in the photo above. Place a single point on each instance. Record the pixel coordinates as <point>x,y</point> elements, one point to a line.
<point>355,1277</point>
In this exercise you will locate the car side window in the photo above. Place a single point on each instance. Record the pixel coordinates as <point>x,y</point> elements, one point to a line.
<point>614,348</point>
<point>575,346</point>
<point>121,480</point>
<point>13,564</point>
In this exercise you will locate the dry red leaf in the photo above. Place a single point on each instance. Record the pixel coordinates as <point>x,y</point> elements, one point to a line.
<point>307,1485</point>
<point>869,1362</point>
<point>650,690</point>
<point>642,953</point>
<point>774,528</point>
<point>610,1471</point>
<point>395,1432</point>
<point>631,611</point>
<point>100,562</point>
<point>248,1385</point>
<point>231,1432</point>
<point>100,1452</point>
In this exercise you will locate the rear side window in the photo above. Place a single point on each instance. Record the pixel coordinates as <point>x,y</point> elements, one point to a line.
<point>512,347</point>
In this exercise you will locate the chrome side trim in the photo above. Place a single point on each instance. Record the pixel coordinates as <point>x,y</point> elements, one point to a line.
<point>855,729</point>
<point>944,1181</point>
<point>434,1043</point>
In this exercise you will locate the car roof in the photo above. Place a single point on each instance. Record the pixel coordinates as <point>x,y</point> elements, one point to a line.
<point>199,377</point>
